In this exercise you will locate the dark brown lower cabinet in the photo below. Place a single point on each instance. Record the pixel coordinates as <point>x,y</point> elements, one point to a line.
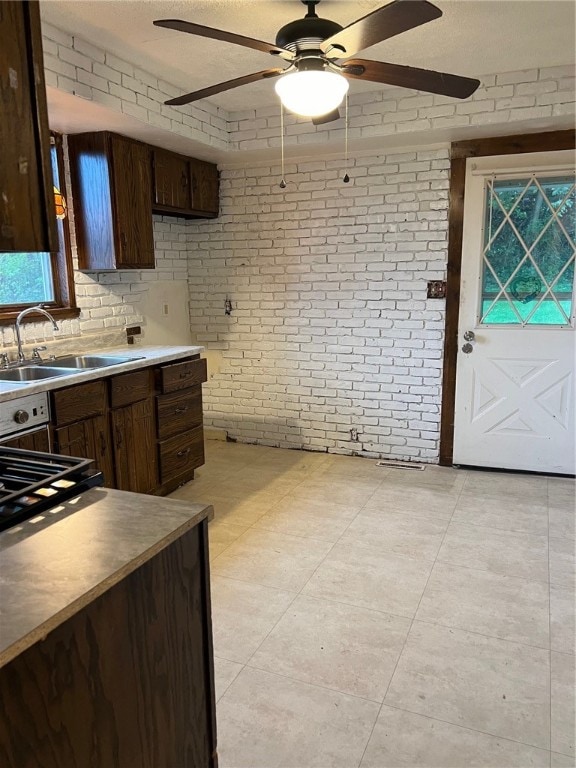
<point>127,681</point>
<point>134,437</point>
<point>89,438</point>
<point>33,441</point>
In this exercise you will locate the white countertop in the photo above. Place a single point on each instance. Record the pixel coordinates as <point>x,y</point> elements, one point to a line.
<point>147,356</point>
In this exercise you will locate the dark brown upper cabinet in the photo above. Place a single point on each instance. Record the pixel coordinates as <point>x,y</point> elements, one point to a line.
<point>27,215</point>
<point>205,187</point>
<point>171,180</point>
<point>111,190</point>
<point>183,186</point>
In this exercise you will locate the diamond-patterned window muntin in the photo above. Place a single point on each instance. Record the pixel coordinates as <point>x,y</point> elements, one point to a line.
<point>529,251</point>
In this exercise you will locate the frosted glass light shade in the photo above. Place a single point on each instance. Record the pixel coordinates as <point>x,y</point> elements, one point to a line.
<point>311,93</point>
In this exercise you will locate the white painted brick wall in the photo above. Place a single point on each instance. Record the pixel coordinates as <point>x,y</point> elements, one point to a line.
<point>75,66</point>
<point>330,329</point>
<point>507,102</point>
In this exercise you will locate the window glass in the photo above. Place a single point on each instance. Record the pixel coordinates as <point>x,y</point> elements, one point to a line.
<point>529,251</point>
<point>27,278</point>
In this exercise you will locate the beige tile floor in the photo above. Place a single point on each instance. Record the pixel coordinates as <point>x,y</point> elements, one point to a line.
<point>378,618</point>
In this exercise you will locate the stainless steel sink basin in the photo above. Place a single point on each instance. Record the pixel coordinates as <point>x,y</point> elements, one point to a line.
<point>82,362</point>
<point>35,373</point>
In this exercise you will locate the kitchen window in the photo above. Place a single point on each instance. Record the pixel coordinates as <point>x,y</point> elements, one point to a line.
<point>27,279</point>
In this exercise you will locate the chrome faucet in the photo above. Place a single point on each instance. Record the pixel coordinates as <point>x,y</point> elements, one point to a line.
<point>19,319</point>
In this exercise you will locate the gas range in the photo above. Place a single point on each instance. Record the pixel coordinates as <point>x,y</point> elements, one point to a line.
<point>32,482</point>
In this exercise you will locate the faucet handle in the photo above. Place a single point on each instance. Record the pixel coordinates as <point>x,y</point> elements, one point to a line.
<point>4,360</point>
<point>36,352</point>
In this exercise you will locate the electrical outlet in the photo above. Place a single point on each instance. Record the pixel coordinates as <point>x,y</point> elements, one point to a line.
<point>165,309</point>
<point>354,435</point>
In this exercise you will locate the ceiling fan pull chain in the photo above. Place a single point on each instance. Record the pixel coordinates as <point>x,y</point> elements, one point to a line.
<point>283,181</point>
<point>346,178</point>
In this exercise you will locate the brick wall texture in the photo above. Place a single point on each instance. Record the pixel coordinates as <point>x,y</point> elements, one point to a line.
<point>330,329</point>
<point>331,343</point>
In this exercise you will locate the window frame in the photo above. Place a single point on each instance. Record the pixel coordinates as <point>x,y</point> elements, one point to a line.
<point>64,304</point>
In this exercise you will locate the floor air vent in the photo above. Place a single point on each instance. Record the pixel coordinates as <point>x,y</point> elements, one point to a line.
<point>400,465</point>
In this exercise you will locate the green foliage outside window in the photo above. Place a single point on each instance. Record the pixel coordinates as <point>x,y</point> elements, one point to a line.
<point>25,278</point>
<point>531,252</point>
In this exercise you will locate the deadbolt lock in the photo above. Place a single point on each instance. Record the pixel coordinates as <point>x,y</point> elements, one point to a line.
<point>467,348</point>
<point>469,335</point>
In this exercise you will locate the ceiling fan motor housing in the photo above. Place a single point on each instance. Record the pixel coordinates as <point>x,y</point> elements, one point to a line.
<point>306,34</point>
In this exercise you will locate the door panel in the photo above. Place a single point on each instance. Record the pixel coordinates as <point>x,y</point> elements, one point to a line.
<point>135,457</point>
<point>88,439</point>
<point>515,368</point>
<point>171,180</point>
<point>132,184</point>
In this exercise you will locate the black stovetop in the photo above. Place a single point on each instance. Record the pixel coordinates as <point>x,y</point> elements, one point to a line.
<point>32,482</point>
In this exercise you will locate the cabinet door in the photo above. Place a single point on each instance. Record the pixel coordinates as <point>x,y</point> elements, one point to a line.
<point>135,457</point>
<point>32,441</point>
<point>132,182</point>
<point>27,215</point>
<point>88,439</point>
<point>204,178</point>
<point>171,180</point>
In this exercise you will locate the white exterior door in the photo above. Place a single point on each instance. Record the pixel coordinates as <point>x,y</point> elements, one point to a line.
<point>515,369</point>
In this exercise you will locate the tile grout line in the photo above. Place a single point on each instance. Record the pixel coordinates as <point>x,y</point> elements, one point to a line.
<point>306,582</point>
<point>409,630</point>
<point>296,595</point>
<point>549,625</point>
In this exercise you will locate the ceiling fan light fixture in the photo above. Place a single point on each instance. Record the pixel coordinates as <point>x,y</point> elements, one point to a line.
<point>311,93</point>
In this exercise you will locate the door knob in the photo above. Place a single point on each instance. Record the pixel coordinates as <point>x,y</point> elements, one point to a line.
<point>469,335</point>
<point>467,348</point>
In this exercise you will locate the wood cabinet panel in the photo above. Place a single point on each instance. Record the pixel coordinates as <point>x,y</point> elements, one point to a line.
<point>178,412</point>
<point>131,387</point>
<point>88,439</point>
<point>79,402</point>
<point>27,215</point>
<point>181,454</point>
<point>171,180</point>
<point>133,213</point>
<point>38,440</point>
<point>126,682</point>
<point>111,189</point>
<point>184,186</point>
<point>205,187</point>
<point>134,437</point>
<point>183,375</point>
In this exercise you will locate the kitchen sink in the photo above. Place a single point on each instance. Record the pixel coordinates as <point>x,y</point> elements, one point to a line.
<point>83,362</point>
<point>35,373</point>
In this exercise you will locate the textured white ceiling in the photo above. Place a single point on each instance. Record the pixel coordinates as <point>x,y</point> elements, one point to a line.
<point>472,38</point>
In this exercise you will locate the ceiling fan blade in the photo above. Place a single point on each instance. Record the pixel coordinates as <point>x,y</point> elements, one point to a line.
<point>388,21</point>
<point>327,118</point>
<point>187,98</point>
<point>411,77</point>
<point>227,37</point>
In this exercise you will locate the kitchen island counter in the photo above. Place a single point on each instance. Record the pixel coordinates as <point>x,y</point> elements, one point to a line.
<point>105,627</point>
<point>52,567</point>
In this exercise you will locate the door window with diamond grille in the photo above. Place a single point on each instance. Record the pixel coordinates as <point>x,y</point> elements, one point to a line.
<point>529,251</point>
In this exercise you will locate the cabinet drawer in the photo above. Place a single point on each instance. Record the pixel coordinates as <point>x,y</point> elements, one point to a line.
<point>183,375</point>
<point>131,387</point>
<point>181,454</point>
<point>179,412</point>
<point>80,402</point>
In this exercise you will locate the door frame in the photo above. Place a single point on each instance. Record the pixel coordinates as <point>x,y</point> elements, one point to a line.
<point>460,151</point>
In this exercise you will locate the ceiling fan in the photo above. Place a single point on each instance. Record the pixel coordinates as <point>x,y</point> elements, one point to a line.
<point>317,52</point>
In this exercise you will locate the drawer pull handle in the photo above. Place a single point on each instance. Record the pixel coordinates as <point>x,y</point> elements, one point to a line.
<point>183,453</point>
<point>185,375</point>
<point>182,409</point>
